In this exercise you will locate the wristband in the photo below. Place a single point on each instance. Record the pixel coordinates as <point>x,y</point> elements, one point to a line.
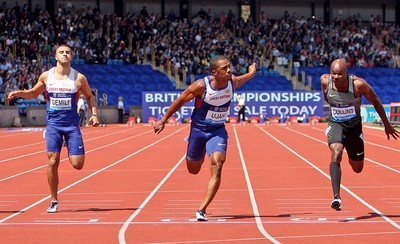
<point>95,115</point>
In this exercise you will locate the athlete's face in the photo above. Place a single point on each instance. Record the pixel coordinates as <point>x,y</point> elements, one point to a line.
<point>338,73</point>
<point>224,70</point>
<point>63,54</point>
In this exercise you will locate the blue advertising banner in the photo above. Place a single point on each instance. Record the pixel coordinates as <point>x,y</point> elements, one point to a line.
<point>268,104</point>
<point>369,114</point>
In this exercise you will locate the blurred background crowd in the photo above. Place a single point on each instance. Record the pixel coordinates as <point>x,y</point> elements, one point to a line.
<point>28,40</point>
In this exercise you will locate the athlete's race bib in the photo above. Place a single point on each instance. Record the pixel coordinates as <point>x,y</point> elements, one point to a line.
<point>60,103</point>
<point>214,117</point>
<point>343,114</point>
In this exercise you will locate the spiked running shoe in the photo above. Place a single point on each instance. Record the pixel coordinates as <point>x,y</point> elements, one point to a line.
<point>336,204</point>
<point>53,206</point>
<point>201,215</point>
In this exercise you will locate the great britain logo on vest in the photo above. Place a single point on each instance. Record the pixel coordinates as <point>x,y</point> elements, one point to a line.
<point>267,104</point>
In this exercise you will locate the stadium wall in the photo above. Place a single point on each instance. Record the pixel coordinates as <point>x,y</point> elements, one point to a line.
<point>272,8</point>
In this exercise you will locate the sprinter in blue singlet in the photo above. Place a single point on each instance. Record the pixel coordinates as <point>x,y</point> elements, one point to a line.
<point>213,95</point>
<point>62,85</point>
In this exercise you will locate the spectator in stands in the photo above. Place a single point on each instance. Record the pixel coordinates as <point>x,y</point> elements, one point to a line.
<point>143,12</point>
<point>120,109</point>
<point>309,41</point>
<point>343,92</point>
<point>62,118</point>
<point>213,96</point>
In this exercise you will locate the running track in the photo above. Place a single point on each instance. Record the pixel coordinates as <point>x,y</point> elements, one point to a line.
<point>135,188</point>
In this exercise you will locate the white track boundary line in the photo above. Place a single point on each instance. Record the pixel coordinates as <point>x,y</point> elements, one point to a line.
<point>365,142</point>
<point>44,141</point>
<point>31,144</point>
<point>89,176</point>
<point>65,159</point>
<point>257,218</point>
<point>367,159</point>
<point>390,221</point>
<point>121,234</point>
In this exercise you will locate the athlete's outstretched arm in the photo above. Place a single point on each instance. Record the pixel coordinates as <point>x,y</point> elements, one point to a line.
<point>371,96</point>
<point>194,90</point>
<point>33,92</point>
<point>240,80</point>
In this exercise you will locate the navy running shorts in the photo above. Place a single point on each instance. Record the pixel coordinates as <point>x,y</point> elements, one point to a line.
<point>201,141</point>
<point>72,135</point>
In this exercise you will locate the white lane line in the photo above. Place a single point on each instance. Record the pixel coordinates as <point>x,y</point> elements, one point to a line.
<point>257,218</point>
<point>91,175</point>
<point>66,159</point>
<point>212,221</point>
<point>390,221</point>
<point>37,152</point>
<point>365,142</point>
<point>367,159</point>
<point>121,234</point>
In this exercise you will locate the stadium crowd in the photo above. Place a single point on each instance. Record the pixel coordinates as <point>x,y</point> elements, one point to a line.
<point>28,40</point>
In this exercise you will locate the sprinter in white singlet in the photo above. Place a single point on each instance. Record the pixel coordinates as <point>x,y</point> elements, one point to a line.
<point>62,85</point>
<point>213,95</point>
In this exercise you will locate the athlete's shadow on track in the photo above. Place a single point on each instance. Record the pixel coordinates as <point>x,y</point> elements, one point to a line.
<point>97,210</point>
<point>11,211</point>
<point>371,216</point>
<point>251,216</point>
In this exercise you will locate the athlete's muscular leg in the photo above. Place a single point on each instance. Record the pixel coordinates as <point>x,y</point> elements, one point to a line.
<point>52,173</point>
<point>194,166</point>
<point>334,168</point>
<point>336,152</point>
<point>217,161</point>
<point>357,165</point>
<point>77,161</point>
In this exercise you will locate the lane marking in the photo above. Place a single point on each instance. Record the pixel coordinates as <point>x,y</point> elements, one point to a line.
<point>257,217</point>
<point>390,221</point>
<point>121,233</point>
<point>91,175</point>
<point>190,222</point>
<point>44,142</point>
<point>67,159</point>
<point>367,159</point>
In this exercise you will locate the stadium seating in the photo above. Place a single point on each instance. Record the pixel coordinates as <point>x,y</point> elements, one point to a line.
<point>23,104</point>
<point>127,81</point>
<point>385,81</point>
<point>264,80</point>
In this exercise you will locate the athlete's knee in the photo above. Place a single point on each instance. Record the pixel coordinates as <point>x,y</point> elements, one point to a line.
<point>194,166</point>
<point>77,161</point>
<point>54,160</point>
<point>358,169</point>
<point>193,171</point>
<point>78,166</point>
<point>357,166</point>
<point>217,166</point>
<point>336,153</point>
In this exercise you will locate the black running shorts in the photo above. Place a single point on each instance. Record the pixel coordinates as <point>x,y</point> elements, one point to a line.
<point>351,137</point>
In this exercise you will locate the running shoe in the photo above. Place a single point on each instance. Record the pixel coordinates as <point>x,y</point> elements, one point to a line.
<point>336,204</point>
<point>201,215</point>
<point>53,206</point>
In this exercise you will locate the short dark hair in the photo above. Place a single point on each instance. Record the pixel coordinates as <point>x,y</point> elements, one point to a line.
<point>64,45</point>
<point>214,61</point>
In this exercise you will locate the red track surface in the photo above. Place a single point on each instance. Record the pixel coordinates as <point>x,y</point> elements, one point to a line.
<point>135,188</point>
